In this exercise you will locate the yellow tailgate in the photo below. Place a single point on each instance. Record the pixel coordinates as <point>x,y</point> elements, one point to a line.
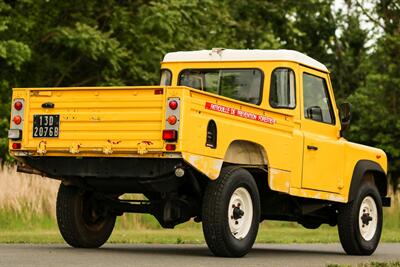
<point>99,120</point>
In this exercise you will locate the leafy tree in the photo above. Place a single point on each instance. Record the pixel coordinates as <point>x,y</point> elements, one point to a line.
<point>82,43</point>
<point>376,103</point>
<point>85,43</point>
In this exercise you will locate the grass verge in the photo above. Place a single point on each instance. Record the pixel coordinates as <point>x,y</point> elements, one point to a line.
<point>27,215</point>
<point>190,233</point>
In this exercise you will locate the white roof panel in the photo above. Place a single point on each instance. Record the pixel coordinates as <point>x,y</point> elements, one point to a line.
<point>220,54</point>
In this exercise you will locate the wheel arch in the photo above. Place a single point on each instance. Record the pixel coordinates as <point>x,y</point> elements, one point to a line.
<point>246,152</point>
<point>239,152</point>
<point>367,166</point>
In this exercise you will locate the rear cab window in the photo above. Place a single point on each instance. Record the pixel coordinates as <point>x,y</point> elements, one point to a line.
<point>165,77</point>
<point>240,84</point>
<point>282,93</point>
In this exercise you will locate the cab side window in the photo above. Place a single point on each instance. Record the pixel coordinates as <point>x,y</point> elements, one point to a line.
<point>317,104</point>
<point>282,91</point>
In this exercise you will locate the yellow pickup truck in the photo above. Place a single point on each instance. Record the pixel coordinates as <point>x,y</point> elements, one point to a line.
<point>229,138</point>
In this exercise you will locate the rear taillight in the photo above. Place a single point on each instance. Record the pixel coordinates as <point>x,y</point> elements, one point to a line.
<point>17,120</point>
<point>173,104</point>
<point>16,146</point>
<point>170,147</point>
<point>18,105</point>
<point>172,120</point>
<point>170,135</point>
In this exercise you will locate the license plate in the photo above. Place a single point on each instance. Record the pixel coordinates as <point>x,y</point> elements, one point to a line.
<point>46,125</point>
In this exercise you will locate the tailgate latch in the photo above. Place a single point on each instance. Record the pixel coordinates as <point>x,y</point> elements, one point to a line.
<point>48,105</point>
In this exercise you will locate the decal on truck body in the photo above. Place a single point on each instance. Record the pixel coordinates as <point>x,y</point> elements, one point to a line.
<point>239,113</point>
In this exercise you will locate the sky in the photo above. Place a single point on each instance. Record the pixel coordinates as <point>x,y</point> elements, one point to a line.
<point>366,23</point>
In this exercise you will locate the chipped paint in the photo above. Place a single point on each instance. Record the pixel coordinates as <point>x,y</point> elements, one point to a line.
<point>287,185</point>
<point>271,180</point>
<point>143,147</point>
<point>114,142</point>
<point>211,167</point>
<point>74,148</point>
<point>108,149</point>
<point>41,148</point>
<point>307,193</point>
<point>336,198</point>
<point>279,180</point>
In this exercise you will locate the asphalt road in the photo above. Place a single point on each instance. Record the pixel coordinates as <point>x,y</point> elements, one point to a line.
<point>186,255</point>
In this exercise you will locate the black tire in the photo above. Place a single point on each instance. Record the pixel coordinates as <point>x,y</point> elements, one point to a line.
<point>216,227</point>
<point>350,234</point>
<point>80,225</point>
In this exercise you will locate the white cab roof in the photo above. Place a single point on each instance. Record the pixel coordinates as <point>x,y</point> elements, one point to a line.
<point>220,54</point>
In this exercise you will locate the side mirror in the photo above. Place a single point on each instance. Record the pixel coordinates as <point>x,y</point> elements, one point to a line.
<point>314,113</point>
<point>345,116</point>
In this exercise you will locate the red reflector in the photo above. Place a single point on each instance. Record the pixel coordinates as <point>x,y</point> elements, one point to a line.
<point>170,135</point>
<point>170,147</point>
<point>18,105</point>
<point>173,104</point>
<point>172,119</point>
<point>158,91</point>
<point>16,145</point>
<point>17,119</point>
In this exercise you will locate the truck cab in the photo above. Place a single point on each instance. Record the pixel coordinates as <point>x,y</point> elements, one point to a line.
<point>229,138</point>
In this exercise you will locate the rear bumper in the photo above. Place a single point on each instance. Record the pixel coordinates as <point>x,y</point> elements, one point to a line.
<point>128,175</point>
<point>97,167</point>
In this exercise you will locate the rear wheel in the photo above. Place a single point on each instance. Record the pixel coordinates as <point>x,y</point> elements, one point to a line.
<point>81,222</point>
<point>231,213</point>
<point>360,221</point>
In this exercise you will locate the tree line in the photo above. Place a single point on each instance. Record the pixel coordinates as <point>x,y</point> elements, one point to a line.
<point>48,43</point>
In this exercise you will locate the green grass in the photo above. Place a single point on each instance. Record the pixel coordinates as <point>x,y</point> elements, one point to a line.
<point>189,233</point>
<point>16,221</point>
<point>27,208</point>
<point>26,227</point>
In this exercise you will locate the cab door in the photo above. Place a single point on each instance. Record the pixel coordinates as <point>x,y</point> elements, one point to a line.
<point>323,152</point>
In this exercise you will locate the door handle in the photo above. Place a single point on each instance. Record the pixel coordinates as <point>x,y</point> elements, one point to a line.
<point>312,147</point>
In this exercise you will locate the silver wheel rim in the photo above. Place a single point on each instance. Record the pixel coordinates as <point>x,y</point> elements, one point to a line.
<point>240,213</point>
<point>368,218</point>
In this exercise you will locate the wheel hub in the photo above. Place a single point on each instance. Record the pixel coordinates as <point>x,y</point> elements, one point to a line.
<point>365,218</point>
<point>240,213</point>
<point>237,213</point>
<point>368,215</point>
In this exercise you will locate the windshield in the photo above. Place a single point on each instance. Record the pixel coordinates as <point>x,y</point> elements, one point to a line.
<point>240,84</point>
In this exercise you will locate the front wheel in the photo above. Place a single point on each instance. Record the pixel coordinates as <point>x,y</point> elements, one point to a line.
<point>231,213</point>
<point>81,222</point>
<point>360,221</point>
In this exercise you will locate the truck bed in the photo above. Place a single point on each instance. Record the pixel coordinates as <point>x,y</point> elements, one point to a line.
<point>95,120</point>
